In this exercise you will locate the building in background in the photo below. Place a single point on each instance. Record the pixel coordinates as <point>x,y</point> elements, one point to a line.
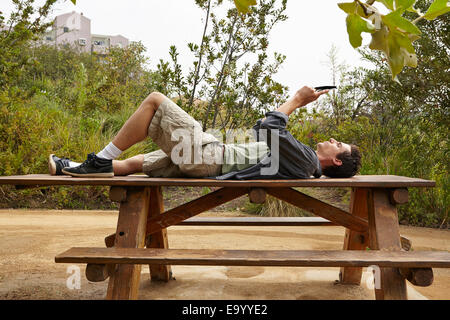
<point>75,29</point>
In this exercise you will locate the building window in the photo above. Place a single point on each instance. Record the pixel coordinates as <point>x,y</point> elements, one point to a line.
<point>66,29</point>
<point>48,38</point>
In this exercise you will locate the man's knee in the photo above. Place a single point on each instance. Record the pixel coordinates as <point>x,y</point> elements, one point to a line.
<point>154,99</point>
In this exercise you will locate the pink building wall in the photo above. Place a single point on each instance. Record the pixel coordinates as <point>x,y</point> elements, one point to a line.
<point>74,28</point>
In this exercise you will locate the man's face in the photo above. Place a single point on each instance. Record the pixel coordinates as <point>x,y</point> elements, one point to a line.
<point>330,149</point>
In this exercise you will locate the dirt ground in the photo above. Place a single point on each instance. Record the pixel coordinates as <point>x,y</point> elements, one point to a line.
<point>30,239</point>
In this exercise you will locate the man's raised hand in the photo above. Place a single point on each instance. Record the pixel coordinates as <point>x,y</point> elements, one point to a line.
<point>307,95</point>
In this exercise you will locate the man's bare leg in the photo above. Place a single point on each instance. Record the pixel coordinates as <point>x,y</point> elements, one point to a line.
<point>128,166</point>
<point>135,128</point>
<point>133,131</point>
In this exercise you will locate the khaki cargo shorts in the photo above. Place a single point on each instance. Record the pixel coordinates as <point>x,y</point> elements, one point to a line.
<point>185,150</point>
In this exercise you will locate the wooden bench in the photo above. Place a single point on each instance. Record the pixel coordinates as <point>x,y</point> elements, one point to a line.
<point>279,258</point>
<point>371,222</point>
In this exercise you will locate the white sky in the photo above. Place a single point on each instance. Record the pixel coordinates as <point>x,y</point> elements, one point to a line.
<point>305,38</point>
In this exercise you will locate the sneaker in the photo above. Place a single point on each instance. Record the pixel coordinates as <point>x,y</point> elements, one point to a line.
<point>93,167</point>
<point>55,165</point>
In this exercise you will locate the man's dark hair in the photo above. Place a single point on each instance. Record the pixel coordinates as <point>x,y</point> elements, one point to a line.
<point>351,163</point>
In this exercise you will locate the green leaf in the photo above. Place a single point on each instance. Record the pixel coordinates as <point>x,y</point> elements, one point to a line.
<point>388,3</point>
<point>74,1</point>
<point>416,11</point>
<point>404,41</point>
<point>395,58</point>
<point>242,5</point>
<point>400,52</point>
<point>437,8</point>
<point>395,20</point>
<point>397,47</point>
<point>348,7</point>
<point>379,39</point>
<point>413,37</point>
<point>410,58</point>
<point>355,26</point>
<point>352,8</point>
<point>405,4</point>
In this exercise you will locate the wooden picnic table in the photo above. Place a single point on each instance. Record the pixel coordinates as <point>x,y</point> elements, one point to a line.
<point>141,234</point>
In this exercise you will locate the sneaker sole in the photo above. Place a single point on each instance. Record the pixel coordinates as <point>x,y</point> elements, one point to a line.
<point>51,165</point>
<point>90,175</point>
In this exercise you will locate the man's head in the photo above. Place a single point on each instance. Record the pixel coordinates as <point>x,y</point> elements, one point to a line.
<point>338,159</point>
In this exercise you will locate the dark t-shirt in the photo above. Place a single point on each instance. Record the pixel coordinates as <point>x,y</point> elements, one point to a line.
<point>288,158</point>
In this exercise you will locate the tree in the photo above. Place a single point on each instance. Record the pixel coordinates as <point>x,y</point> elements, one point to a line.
<point>231,83</point>
<point>401,129</point>
<point>239,88</point>
<point>206,6</point>
<point>392,33</point>
<point>21,27</point>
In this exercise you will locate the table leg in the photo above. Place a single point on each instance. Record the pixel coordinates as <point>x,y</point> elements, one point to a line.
<point>131,227</point>
<point>355,240</point>
<point>384,235</point>
<point>158,239</point>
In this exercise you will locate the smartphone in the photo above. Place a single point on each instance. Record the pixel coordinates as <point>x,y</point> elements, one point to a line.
<point>325,88</point>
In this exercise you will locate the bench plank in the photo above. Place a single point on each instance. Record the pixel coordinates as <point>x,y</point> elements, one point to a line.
<point>297,258</point>
<point>376,181</point>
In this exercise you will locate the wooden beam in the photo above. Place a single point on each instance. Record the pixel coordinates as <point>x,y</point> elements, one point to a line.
<point>287,258</point>
<point>257,195</point>
<point>398,196</point>
<point>117,194</point>
<point>110,240</point>
<point>355,240</point>
<point>247,222</point>
<point>384,235</point>
<point>124,281</point>
<point>257,221</point>
<point>97,272</point>
<point>319,208</point>
<point>405,243</point>
<point>422,277</point>
<point>158,239</point>
<point>192,208</point>
<point>101,272</point>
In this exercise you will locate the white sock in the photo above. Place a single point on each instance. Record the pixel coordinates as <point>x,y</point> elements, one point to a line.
<point>73,164</point>
<point>110,152</point>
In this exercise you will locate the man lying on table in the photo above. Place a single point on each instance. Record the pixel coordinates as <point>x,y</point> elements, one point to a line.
<point>276,154</point>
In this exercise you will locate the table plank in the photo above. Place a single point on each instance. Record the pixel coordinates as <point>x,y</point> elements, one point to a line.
<point>375,181</point>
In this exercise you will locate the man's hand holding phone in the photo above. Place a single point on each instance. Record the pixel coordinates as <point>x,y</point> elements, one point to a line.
<point>307,94</point>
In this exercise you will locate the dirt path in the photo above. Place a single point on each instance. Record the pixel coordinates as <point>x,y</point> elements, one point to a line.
<point>30,239</point>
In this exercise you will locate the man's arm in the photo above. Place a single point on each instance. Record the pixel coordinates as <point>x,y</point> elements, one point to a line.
<point>287,151</point>
<point>301,98</point>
